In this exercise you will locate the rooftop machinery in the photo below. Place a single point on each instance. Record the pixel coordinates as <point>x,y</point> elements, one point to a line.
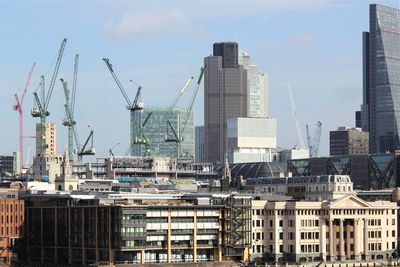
<point>138,138</point>
<point>18,107</point>
<point>41,105</point>
<point>70,122</point>
<point>178,132</point>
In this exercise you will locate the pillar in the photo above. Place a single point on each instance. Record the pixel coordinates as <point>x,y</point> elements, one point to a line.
<point>97,235</point>
<point>195,235</point>
<point>83,236</point>
<point>322,244</point>
<point>341,239</point>
<point>142,257</point>
<point>169,237</point>
<point>356,240</point>
<point>55,235</point>
<point>331,245</point>
<point>366,253</point>
<point>220,236</point>
<point>348,240</point>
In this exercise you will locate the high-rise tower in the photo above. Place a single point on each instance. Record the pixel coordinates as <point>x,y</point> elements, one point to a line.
<point>225,96</point>
<point>383,69</point>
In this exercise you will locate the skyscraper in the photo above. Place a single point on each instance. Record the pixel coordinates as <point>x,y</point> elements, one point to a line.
<point>156,130</point>
<point>225,96</point>
<point>383,69</point>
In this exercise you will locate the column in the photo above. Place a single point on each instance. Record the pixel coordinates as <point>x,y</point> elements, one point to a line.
<point>348,240</point>
<point>83,236</point>
<point>97,235</point>
<point>142,257</point>
<point>110,247</point>
<point>356,239</point>
<point>322,244</point>
<point>366,253</point>
<point>55,235</point>
<point>341,239</point>
<point>195,235</point>
<point>69,237</point>
<point>220,236</point>
<point>331,234</point>
<point>169,237</point>
<point>41,236</point>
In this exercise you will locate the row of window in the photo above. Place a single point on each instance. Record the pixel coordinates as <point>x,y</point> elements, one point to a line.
<point>309,223</point>
<point>9,207</point>
<point>309,235</point>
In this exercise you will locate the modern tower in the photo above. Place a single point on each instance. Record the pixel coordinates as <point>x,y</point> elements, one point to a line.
<point>384,79</point>
<point>225,96</point>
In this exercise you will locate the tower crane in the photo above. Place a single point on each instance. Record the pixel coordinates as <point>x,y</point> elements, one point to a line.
<point>18,107</point>
<point>41,109</point>
<point>70,122</point>
<point>313,145</point>
<point>178,133</point>
<point>296,118</point>
<point>136,108</point>
<point>70,105</point>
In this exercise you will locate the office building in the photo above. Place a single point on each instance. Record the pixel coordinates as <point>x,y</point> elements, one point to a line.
<point>347,228</point>
<point>7,165</point>
<point>257,87</point>
<point>364,113</point>
<point>199,143</point>
<point>251,140</point>
<point>157,130</point>
<point>124,229</point>
<point>348,141</point>
<point>225,96</point>
<point>383,70</point>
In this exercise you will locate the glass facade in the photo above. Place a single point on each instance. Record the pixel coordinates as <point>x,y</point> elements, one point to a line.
<point>384,41</point>
<point>156,130</point>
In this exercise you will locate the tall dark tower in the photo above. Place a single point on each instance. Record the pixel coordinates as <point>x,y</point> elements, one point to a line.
<point>384,79</point>
<point>225,96</point>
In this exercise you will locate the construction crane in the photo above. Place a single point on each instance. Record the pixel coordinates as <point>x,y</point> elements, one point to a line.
<point>296,118</point>
<point>70,122</point>
<point>136,108</point>
<point>41,109</point>
<point>70,106</point>
<point>18,107</point>
<point>313,145</point>
<point>178,133</point>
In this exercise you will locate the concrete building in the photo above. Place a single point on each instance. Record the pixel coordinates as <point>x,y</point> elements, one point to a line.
<point>347,228</point>
<point>51,139</point>
<point>251,139</point>
<point>156,131</point>
<point>125,229</point>
<point>7,166</point>
<point>225,96</point>
<point>381,107</point>
<point>348,141</point>
<point>199,144</point>
<point>11,218</point>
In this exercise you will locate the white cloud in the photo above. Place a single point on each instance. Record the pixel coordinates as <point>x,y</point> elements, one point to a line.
<point>153,24</point>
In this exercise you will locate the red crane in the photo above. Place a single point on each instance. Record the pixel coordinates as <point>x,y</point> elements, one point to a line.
<point>18,107</point>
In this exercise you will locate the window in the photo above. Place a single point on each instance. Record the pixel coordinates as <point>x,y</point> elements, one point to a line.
<point>280,223</point>
<point>281,248</point>
<point>393,233</point>
<point>271,236</point>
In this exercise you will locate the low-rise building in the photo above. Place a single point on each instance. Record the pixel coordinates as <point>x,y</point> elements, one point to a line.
<point>347,228</point>
<point>136,228</point>
<point>11,220</point>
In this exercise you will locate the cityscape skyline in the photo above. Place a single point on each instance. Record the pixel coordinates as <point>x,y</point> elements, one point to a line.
<point>279,52</point>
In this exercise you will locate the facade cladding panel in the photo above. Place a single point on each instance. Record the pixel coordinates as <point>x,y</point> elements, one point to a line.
<point>199,144</point>
<point>384,78</point>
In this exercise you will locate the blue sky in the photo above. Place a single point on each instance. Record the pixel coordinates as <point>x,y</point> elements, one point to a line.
<point>314,44</point>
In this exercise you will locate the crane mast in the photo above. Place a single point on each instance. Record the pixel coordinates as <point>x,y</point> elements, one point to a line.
<point>296,118</point>
<point>136,107</point>
<point>178,133</point>
<point>18,107</point>
<point>313,142</point>
<point>42,105</point>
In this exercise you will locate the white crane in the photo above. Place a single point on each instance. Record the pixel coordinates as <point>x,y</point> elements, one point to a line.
<point>296,118</point>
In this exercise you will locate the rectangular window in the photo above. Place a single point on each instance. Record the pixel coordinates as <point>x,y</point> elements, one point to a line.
<point>281,235</point>
<point>280,223</point>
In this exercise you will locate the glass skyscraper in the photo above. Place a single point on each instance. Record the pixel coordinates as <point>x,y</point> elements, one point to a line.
<point>384,79</point>
<point>156,130</point>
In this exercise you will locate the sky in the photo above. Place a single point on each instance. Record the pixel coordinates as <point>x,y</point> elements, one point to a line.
<point>313,44</point>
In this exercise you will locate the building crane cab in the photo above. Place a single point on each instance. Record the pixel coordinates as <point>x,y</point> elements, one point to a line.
<point>136,108</point>
<point>41,105</point>
<point>178,132</point>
